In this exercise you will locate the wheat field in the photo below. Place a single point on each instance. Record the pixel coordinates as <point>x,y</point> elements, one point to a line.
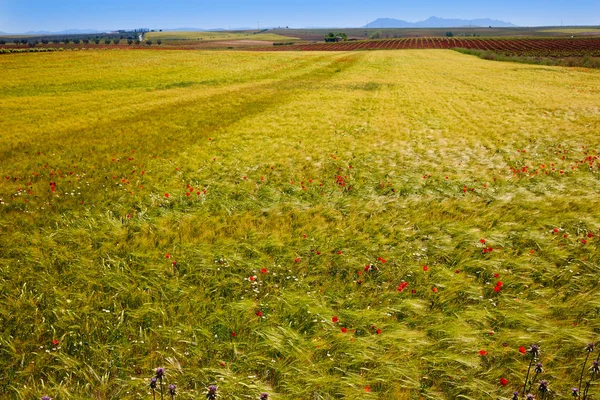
<point>373,225</point>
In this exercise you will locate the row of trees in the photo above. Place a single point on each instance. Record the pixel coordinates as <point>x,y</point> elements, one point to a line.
<point>33,43</point>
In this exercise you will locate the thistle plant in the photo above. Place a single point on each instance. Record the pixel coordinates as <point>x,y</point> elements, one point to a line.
<point>534,350</point>
<point>160,373</point>
<point>543,388</point>
<point>264,396</point>
<point>153,387</point>
<point>172,390</point>
<point>594,371</point>
<point>539,368</point>
<point>212,393</point>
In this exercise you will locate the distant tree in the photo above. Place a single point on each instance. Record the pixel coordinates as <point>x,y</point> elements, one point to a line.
<point>376,35</point>
<point>86,41</point>
<point>2,41</point>
<point>336,37</point>
<point>55,41</point>
<point>76,41</point>
<point>97,41</point>
<point>116,41</point>
<point>66,40</point>
<point>149,42</point>
<point>106,41</point>
<point>137,42</point>
<point>159,42</point>
<point>45,41</point>
<point>33,44</point>
<point>23,41</point>
<point>17,41</point>
<point>130,41</point>
<point>449,34</point>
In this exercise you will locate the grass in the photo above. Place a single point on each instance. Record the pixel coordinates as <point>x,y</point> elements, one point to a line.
<point>212,36</point>
<point>152,203</point>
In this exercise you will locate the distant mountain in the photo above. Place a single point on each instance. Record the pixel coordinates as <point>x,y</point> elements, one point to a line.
<point>435,22</point>
<point>65,32</point>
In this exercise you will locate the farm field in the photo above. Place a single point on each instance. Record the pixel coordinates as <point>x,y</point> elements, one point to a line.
<point>362,33</point>
<point>541,47</point>
<point>313,225</point>
<point>212,36</point>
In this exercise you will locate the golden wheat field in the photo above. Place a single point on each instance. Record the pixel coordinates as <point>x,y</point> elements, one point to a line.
<point>406,224</point>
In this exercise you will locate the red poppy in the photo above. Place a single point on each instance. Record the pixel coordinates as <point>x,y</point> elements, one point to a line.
<point>368,389</point>
<point>425,268</point>
<point>167,255</point>
<point>259,313</point>
<point>503,381</point>
<point>482,353</point>
<point>435,290</point>
<point>496,275</point>
<point>344,330</point>
<point>481,240</point>
<point>583,241</point>
<point>55,342</point>
<point>522,350</point>
<point>497,289</point>
<point>167,195</point>
<point>499,284</point>
<point>297,259</point>
<point>233,334</point>
<point>334,319</point>
<point>457,271</point>
<point>263,271</point>
<point>378,331</point>
<point>402,286</point>
<point>251,278</point>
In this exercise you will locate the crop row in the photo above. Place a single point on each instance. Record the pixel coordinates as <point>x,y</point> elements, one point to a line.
<point>553,47</point>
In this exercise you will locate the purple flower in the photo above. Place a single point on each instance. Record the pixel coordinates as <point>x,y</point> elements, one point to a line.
<point>515,396</point>
<point>46,398</point>
<point>539,368</point>
<point>595,367</point>
<point>153,383</point>
<point>264,396</point>
<point>575,392</point>
<point>160,372</point>
<point>590,347</point>
<point>212,392</point>
<point>534,350</point>
<point>172,389</point>
<point>543,386</point>
<point>530,397</point>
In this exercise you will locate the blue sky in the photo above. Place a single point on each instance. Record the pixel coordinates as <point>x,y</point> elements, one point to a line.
<point>34,15</point>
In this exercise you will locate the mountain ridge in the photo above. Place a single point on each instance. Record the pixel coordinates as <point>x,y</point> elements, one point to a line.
<point>437,22</point>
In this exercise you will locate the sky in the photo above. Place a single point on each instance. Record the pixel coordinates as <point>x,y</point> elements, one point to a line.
<point>18,16</point>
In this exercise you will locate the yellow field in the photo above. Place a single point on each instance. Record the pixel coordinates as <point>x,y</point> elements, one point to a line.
<point>575,31</point>
<point>204,36</point>
<point>361,225</point>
